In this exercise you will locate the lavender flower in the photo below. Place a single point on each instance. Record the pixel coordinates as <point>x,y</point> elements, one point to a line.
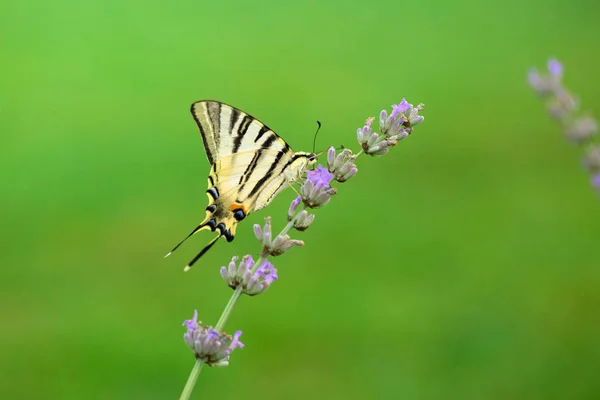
<point>363,134</point>
<point>414,118</point>
<point>252,283</point>
<point>555,68</point>
<point>370,141</point>
<point>376,147</point>
<point>303,220</point>
<point>341,166</point>
<point>596,181</point>
<point>581,130</point>
<point>401,108</point>
<point>397,126</point>
<point>209,345</point>
<point>316,191</point>
<point>546,84</point>
<point>538,83</point>
<point>279,245</point>
<point>591,160</point>
<point>367,142</point>
<point>293,207</point>
<point>563,106</point>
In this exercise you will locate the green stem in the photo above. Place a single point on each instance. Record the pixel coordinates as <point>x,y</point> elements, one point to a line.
<point>189,385</point>
<point>228,308</point>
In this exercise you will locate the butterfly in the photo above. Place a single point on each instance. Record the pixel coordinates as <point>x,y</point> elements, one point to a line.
<point>249,165</point>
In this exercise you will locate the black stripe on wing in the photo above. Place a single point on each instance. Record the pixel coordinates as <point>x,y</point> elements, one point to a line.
<point>213,109</point>
<point>267,175</point>
<point>237,141</point>
<point>252,166</point>
<point>261,132</point>
<point>205,131</point>
<point>249,168</point>
<point>235,114</point>
<point>207,114</point>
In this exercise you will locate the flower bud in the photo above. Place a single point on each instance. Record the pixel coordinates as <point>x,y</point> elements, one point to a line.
<point>303,220</point>
<point>293,207</point>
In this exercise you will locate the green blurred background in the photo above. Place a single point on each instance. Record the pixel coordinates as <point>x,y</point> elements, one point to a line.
<point>463,265</point>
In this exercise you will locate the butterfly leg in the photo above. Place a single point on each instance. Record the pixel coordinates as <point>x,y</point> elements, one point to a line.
<point>293,188</point>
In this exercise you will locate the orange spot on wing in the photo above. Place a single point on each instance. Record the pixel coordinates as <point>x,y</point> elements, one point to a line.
<point>236,206</point>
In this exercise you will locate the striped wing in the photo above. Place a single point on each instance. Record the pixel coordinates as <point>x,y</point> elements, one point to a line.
<point>250,165</point>
<point>226,131</point>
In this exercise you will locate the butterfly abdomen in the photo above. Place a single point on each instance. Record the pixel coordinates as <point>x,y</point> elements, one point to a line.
<point>220,219</point>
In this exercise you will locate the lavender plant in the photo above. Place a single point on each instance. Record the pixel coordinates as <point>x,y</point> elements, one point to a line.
<point>579,129</point>
<point>211,345</point>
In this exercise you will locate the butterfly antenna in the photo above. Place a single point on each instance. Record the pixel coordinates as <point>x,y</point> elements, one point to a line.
<point>315,138</point>
<point>323,151</point>
<point>204,250</point>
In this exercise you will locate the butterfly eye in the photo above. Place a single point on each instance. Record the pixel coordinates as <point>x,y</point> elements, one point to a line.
<point>239,214</point>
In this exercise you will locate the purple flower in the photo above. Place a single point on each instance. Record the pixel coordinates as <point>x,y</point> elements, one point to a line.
<point>581,130</point>
<point>401,108</point>
<point>231,269</point>
<point>383,118</point>
<point>277,246</point>
<point>291,211</point>
<point>341,166</point>
<point>596,181</point>
<point>540,84</point>
<point>191,323</point>
<point>236,341</point>
<point>414,118</point>
<point>303,220</point>
<point>267,271</point>
<point>555,68</point>
<point>398,126</point>
<point>363,134</point>
<point>212,335</point>
<point>320,177</point>
<point>259,281</point>
<point>252,283</point>
<point>591,160</point>
<point>533,77</point>
<point>330,157</point>
<point>209,345</point>
<point>368,123</point>
<point>316,190</point>
<point>263,236</point>
<point>562,105</point>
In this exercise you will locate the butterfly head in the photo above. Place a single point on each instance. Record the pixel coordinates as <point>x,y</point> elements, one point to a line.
<point>307,161</point>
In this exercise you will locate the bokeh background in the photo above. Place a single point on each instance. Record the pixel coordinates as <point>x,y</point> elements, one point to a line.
<point>462,265</point>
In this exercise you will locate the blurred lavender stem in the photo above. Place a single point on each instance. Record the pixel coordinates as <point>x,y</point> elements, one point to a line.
<point>579,129</point>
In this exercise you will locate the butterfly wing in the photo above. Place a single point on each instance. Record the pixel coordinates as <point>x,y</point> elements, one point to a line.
<point>225,130</point>
<point>250,164</point>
